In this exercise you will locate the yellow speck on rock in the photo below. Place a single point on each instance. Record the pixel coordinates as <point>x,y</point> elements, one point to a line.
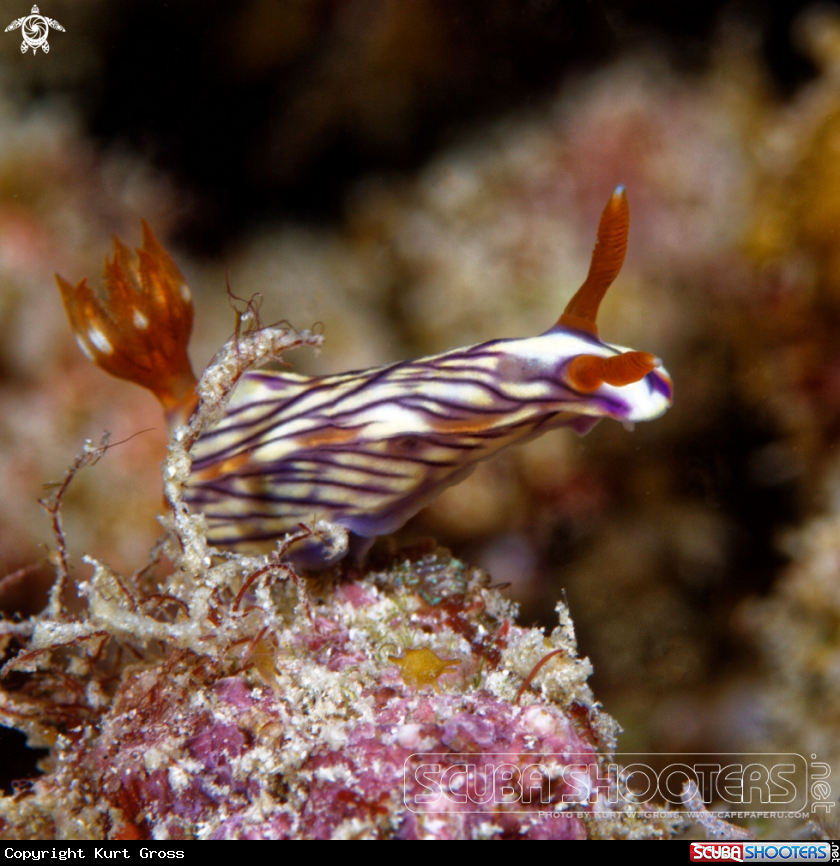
<point>421,667</point>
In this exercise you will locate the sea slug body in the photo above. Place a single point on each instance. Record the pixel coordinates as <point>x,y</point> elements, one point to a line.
<point>369,449</point>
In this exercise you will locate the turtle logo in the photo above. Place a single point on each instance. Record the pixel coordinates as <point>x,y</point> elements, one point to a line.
<point>34,29</point>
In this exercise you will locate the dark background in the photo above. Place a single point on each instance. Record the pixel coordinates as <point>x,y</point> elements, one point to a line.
<point>273,108</point>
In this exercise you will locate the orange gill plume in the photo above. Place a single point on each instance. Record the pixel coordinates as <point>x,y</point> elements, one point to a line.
<point>138,325</point>
<point>587,373</point>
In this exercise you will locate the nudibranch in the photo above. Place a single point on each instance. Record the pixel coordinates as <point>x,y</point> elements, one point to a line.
<point>369,449</point>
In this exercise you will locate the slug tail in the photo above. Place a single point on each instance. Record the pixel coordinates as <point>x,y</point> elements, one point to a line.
<point>138,326</point>
<point>607,258</point>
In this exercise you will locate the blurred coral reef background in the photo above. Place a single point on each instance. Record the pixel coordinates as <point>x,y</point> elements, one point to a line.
<point>422,175</point>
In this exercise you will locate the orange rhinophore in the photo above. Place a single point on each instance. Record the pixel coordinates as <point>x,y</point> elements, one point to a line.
<point>138,325</point>
<point>586,373</point>
<point>607,259</point>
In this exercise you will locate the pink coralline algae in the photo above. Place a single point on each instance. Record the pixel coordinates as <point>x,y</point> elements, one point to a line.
<point>308,739</point>
<point>316,741</point>
<point>208,774</point>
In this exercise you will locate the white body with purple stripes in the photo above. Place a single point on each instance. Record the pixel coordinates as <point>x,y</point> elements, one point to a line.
<point>368,450</point>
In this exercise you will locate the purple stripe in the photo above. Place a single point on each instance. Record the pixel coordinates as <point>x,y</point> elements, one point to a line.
<point>316,384</point>
<point>280,500</point>
<point>583,335</point>
<point>657,384</point>
<point>240,446</point>
<point>343,467</point>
